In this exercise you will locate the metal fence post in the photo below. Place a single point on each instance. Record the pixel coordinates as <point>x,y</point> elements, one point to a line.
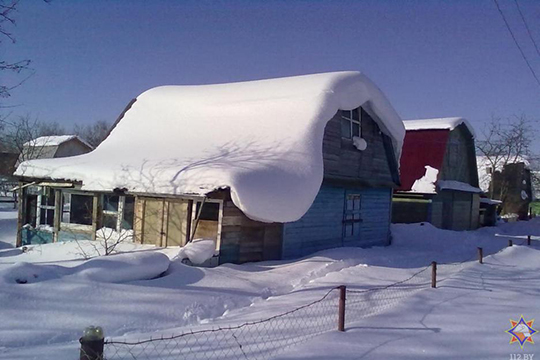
<point>433,274</point>
<point>341,318</point>
<point>92,343</point>
<point>510,243</point>
<point>480,255</point>
<point>529,240</point>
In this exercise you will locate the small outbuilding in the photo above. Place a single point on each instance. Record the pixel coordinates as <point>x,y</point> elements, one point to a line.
<point>270,169</point>
<point>439,181</point>
<point>509,181</point>
<point>54,146</point>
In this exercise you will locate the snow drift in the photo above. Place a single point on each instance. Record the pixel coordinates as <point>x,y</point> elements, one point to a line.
<point>262,139</point>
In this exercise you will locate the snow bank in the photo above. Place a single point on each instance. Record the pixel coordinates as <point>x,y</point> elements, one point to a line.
<point>122,268</point>
<point>110,269</point>
<point>438,124</point>
<point>262,139</point>
<point>426,184</point>
<point>27,273</point>
<point>198,251</point>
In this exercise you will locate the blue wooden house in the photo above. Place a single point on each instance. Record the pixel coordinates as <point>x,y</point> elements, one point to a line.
<point>271,169</point>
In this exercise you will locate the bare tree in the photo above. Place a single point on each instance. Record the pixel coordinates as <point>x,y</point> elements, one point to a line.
<point>17,135</point>
<point>506,141</point>
<point>94,134</point>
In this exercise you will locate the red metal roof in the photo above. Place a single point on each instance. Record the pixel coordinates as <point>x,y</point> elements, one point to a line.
<point>421,148</point>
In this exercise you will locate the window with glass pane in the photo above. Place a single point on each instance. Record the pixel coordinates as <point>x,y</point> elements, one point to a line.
<point>110,211</point>
<point>80,209</point>
<point>129,211</point>
<point>46,207</point>
<point>350,123</point>
<point>352,218</point>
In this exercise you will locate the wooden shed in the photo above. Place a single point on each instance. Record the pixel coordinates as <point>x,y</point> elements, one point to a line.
<point>510,181</point>
<point>271,169</point>
<point>438,174</point>
<point>54,146</point>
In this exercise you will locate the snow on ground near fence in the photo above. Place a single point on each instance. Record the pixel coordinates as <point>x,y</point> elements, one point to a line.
<point>262,139</point>
<point>48,317</point>
<point>464,318</point>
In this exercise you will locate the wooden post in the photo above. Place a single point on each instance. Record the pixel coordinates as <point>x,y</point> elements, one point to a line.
<point>529,240</point>
<point>434,274</point>
<point>57,213</point>
<point>510,243</point>
<point>92,344</point>
<point>480,255</point>
<point>21,213</point>
<point>341,318</point>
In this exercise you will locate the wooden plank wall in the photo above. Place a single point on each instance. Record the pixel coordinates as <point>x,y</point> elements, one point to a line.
<point>245,240</point>
<point>460,159</point>
<point>376,215</point>
<point>342,161</point>
<point>322,226</point>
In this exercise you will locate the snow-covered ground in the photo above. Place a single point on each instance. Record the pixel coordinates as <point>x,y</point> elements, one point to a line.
<point>49,294</point>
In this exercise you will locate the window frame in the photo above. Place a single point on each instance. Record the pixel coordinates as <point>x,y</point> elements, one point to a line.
<point>347,115</point>
<point>352,216</point>
<point>44,192</point>
<point>70,225</point>
<point>119,213</point>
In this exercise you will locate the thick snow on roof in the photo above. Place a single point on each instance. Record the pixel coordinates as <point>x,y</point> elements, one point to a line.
<point>53,140</point>
<point>437,124</point>
<point>262,139</point>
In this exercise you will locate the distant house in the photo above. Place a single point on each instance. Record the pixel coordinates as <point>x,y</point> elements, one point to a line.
<point>439,181</point>
<point>270,169</point>
<point>510,181</point>
<point>57,146</point>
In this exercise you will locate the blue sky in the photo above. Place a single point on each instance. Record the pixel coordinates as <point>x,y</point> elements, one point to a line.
<point>431,58</point>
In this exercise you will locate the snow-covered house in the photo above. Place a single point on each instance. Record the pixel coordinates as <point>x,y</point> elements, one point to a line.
<point>54,146</point>
<point>268,169</point>
<point>439,181</point>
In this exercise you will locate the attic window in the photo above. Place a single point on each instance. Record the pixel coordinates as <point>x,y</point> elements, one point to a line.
<point>350,123</point>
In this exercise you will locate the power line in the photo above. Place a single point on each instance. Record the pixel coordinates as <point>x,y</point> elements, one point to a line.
<point>527,27</point>
<point>516,42</point>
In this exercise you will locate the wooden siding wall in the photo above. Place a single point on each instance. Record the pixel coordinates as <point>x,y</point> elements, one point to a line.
<point>322,226</point>
<point>342,161</point>
<point>245,240</point>
<point>436,216</point>
<point>460,159</point>
<point>455,210</point>
<point>71,148</point>
<point>461,210</point>
<point>410,211</point>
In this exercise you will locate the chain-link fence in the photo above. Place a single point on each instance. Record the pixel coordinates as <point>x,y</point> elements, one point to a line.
<point>265,338</point>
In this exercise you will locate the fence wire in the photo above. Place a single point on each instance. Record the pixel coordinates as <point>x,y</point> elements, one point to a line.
<point>265,338</point>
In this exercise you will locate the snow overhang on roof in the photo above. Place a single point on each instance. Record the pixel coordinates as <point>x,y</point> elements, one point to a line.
<point>262,139</point>
<point>438,124</point>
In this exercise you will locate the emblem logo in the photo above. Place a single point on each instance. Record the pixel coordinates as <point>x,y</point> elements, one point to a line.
<point>522,331</point>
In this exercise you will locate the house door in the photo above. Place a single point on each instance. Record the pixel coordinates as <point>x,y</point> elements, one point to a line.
<point>352,219</point>
<point>165,222</point>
